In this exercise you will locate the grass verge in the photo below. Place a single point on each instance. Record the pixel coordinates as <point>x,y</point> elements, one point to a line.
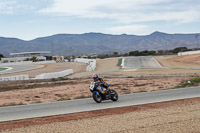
<point>192,82</point>
<point>119,62</point>
<point>12,104</point>
<point>30,86</point>
<point>2,69</point>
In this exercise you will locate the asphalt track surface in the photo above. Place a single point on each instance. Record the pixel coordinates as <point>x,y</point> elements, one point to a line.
<point>83,105</point>
<point>20,68</point>
<point>137,62</point>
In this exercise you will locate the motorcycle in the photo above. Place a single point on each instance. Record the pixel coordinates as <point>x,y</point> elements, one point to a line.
<point>100,93</point>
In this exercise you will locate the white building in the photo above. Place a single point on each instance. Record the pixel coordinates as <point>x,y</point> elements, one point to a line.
<point>26,56</point>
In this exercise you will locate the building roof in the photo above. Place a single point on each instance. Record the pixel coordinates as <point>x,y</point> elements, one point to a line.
<point>31,53</point>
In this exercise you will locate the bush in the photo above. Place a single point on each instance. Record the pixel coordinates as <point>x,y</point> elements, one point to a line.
<point>1,56</point>
<point>192,82</point>
<point>179,49</point>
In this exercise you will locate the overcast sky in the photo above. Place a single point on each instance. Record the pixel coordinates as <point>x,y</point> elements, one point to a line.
<point>29,19</point>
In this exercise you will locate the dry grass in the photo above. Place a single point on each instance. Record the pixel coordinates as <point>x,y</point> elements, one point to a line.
<point>186,61</point>
<point>76,89</point>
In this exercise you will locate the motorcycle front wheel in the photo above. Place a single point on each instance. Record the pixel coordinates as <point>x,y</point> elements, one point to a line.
<point>97,98</point>
<point>114,95</point>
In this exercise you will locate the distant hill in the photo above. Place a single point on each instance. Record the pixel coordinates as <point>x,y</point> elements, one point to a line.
<point>97,43</point>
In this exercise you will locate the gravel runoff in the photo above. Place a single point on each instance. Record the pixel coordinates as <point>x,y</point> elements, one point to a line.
<point>179,118</point>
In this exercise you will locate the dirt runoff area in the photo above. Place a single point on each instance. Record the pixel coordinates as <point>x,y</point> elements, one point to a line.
<point>30,93</point>
<point>181,116</point>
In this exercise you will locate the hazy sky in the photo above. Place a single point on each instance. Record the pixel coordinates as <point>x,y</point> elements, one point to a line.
<point>29,19</point>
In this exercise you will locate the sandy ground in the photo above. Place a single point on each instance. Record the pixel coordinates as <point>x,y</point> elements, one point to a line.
<point>186,61</point>
<point>181,116</point>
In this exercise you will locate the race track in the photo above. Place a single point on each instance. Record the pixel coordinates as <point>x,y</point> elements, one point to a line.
<point>82,105</point>
<point>137,62</point>
<point>20,68</point>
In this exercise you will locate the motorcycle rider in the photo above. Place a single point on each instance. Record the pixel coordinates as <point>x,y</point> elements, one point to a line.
<point>100,80</point>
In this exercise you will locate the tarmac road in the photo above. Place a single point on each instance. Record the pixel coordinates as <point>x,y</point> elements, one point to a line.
<point>20,68</point>
<point>82,105</point>
<point>137,62</point>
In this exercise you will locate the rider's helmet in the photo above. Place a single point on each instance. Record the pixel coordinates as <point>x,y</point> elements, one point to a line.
<point>95,77</point>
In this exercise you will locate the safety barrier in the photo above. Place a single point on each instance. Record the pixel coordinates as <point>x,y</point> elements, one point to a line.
<point>82,60</point>
<point>91,66</point>
<point>54,74</point>
<point>91,62</point>
<point>189,52</point>
<point>122,65</point>
<point>13,78</point>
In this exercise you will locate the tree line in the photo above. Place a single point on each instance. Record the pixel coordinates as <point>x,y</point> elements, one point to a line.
<point>147,52</point>
<point>132,53</point>
<point>1,56</point>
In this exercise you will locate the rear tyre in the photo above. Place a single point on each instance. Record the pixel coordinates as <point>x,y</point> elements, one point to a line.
<point>97,98</point>
<point>114,95</point>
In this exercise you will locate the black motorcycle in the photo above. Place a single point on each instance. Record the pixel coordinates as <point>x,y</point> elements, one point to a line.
<point>100,93</point>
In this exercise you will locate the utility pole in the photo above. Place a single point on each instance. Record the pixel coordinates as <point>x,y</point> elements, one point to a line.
<point>197,37</point>
<point>52,50</point>
<point>166,46</point>
<point>71,52</point>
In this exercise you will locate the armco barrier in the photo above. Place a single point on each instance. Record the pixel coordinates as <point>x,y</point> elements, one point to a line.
<point>54,74</point>
<point>13,78</point>
<point>189,52</point>
<point>91,62</point>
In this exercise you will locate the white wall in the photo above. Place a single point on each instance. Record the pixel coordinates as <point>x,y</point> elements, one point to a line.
<point>82,60</point>
<point>40,76</point>
<point>54,74</point>
<point>91,66</point>
<point>189,53</point>
<point>91,63</point>
<point>123,62</point>
<point>13,78</point>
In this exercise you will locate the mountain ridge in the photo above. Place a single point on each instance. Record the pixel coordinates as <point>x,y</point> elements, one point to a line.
<point>99,43</point>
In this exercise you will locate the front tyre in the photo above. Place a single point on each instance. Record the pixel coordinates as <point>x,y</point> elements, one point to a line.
<point>114,95</point>
<point>97,98</point>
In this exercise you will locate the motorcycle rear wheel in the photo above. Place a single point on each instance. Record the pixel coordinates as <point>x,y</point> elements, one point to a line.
<point>97,98</point>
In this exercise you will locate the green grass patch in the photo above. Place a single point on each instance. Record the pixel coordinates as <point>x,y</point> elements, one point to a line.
<point>31,86</point>
<point>83,96</point>
<point>2,69</point>
<point>64,98</point>
<point>119,62</point>
<point>12,104</point>
<point>192,82</point>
